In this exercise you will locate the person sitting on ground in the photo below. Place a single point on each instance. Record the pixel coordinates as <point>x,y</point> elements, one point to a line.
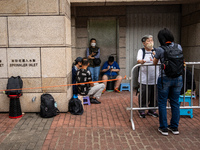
<point>78,65</point>
<point>110,69</point>
<point>94,90</point>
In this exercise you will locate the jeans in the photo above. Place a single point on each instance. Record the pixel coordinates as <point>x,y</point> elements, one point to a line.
<point>170,90</point>
<point>94,72</point>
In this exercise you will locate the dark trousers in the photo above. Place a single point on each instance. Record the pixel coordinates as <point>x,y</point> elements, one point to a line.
<point>151,95</point>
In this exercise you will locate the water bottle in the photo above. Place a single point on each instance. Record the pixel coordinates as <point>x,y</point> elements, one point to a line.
<point>55,104</point>
<point>33,99</point>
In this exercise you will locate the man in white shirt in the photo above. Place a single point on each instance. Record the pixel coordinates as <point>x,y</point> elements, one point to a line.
<point>146,55</point>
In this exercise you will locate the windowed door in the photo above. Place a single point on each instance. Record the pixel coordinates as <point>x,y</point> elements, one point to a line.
<point>104,30</point>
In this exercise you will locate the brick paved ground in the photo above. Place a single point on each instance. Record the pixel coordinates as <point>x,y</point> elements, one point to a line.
<point>6,125</point>
<point>29,133</point>
<point>104,126</point>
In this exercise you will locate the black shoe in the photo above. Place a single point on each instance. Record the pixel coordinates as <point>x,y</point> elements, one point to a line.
<point>94,101</point>
<point>173,130</point>
<point>142,115</point>
<point>154,114</point>
<point>163,131</point>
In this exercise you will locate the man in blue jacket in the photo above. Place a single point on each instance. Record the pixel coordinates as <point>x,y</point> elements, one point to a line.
<point>111,69</point>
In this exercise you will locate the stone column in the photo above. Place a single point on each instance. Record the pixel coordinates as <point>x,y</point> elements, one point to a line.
<point>35,43</point>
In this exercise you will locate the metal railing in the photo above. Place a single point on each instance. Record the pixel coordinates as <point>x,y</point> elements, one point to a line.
<point>135,68</point>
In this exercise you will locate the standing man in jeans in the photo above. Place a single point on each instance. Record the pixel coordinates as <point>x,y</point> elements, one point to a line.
<point>146,55</point>
<point>168,87</point>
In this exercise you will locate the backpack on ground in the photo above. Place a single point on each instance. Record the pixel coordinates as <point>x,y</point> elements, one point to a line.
<point>75,106</point>
<point>173,65</point>
<point>14,83</point>
<point>47,107</point>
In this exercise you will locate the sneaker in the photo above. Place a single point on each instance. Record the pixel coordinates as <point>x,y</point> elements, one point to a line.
<point>117,90</point>
<point>163,131</point>
<point>173,130</point>
<point>154,114</point>
<point>103,91</point>
<point>94,101</point>
<point>142,115</point>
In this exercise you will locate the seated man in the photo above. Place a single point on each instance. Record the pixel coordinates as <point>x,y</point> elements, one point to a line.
<point>78,65</point>
<point>110,69</point>
<point>91,89</point>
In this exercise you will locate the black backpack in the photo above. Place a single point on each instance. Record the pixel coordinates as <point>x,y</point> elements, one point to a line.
<point>47,107</point>
<point>75,107</point>
<point>143,50</point>
<point>14,83</point>
<point>97,61</point>
<point>173,65</point>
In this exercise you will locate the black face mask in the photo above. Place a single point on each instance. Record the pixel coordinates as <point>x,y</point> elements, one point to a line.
<point>80,66</point>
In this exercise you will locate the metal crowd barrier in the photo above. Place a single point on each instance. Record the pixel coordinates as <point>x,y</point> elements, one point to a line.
<point>135,68</point>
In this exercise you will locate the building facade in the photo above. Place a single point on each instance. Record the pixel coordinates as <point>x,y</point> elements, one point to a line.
<point>40,39</point>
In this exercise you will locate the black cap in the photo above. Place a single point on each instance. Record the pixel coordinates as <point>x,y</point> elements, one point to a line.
<point>78,59</point>
<point>145,37</point>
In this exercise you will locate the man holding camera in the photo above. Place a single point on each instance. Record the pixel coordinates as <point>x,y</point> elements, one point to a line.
<point>111,69</point>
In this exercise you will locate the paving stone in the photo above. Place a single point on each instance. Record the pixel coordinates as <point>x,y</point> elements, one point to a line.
<point>22,147</point>
<point>16,146</point>
<point>31,145</point>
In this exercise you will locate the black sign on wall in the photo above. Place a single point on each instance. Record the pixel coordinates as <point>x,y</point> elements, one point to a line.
<point>23,63</point>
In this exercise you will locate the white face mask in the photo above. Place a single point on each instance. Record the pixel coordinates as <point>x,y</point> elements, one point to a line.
<point>93,44</point>
<point>150,45</point>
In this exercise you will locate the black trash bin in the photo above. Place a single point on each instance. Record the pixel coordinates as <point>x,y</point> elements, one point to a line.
<point>15,108</point>
<point>14,91</point>
<point>110,86</point>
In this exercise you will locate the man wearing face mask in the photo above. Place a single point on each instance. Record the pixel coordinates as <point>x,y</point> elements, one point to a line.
<point>77,66</point>
<point>146,55</point>
<point>93,52</point>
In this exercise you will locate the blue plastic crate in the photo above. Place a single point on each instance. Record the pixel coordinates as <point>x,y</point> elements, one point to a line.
<point>186,112</point>
<point>125,87</point>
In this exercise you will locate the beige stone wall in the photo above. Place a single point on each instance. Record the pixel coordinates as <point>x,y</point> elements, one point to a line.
<point>3,32</point>
<point>73,35</point>
<point>190,36</point>
<point>35,43</point>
